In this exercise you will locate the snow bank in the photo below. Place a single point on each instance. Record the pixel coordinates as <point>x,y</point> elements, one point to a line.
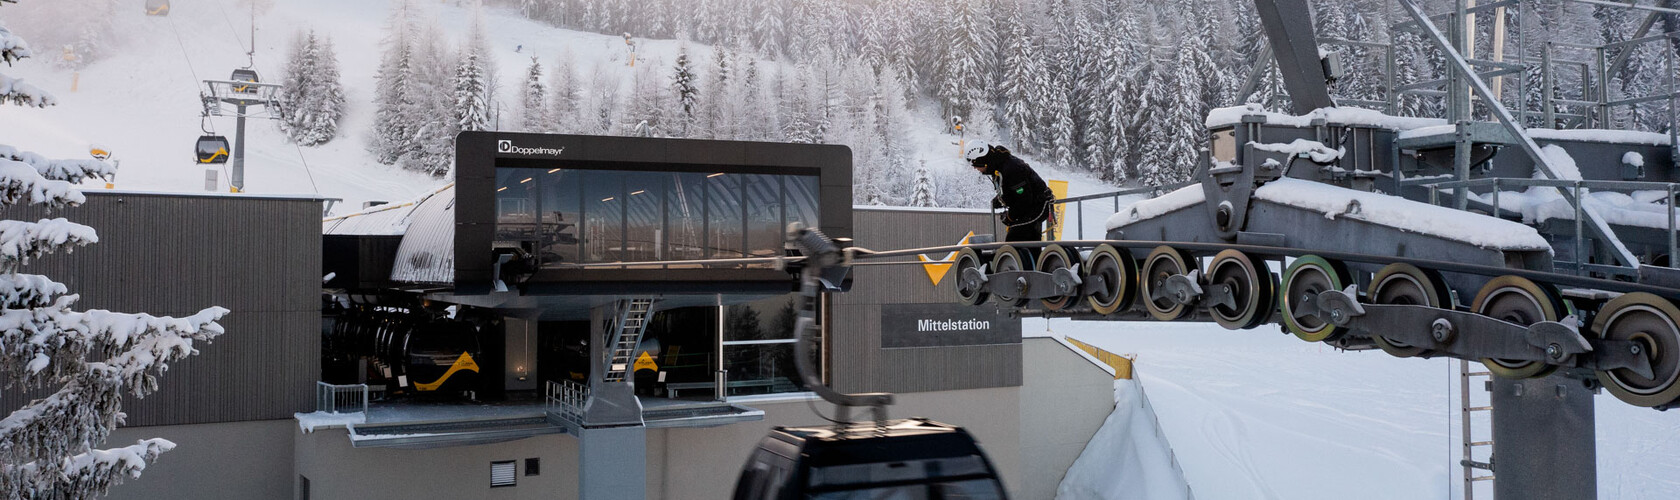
<point>1341,116</point>
<point>1129,457</point>
<point>1480,230</point>
<point>1562,162</point>
<point>1155,207</point>
<point>308,422</point>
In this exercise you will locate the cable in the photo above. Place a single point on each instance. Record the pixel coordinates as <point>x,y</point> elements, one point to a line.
<point>183,46</point>
<point>235,31</point>
<point>306,168</point>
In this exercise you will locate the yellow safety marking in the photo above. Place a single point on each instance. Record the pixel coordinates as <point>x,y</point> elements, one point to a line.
<point>1058,189</point>
<point>645,362</point>
<point>212,158</point>
<point>162,9</point>
<point>1122,365</point>
<point>465,362</point>
<point>936,272</point>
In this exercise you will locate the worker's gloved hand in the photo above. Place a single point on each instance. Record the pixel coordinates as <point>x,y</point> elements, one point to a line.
<point>997,203</point>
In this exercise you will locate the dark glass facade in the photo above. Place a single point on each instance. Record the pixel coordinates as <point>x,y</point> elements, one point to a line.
<point>580,216</point>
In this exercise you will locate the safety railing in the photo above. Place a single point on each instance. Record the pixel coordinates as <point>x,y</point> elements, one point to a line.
<point>1079,202</point>
<point>1577,187</point>
<point>567,398</point>
<point>341,398</point>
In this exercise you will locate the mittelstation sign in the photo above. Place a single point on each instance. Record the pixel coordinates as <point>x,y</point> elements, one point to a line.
<point>940,325</point>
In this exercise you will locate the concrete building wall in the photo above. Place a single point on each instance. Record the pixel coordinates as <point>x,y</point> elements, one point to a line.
<point>249,460</point>
<point>1064,400</point>
<point>681,463</point>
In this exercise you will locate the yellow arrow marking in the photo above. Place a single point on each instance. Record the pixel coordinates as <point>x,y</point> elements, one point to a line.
<point>936,272</point>
<point>465,362</point>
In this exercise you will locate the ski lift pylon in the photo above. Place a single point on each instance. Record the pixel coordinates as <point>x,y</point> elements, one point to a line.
<point>212,149</point>
<point>157,7</point>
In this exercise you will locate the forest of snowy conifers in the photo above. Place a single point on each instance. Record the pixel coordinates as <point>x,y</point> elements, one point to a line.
<point>1119,88</point>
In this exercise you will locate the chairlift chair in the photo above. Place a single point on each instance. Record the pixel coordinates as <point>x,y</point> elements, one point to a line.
<point>157,7</point>
<point>245,75</point>
<point>212,149</point>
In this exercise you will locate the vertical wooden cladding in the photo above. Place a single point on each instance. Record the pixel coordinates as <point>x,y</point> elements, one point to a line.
<point>173,255</point>
<point>857,360</point>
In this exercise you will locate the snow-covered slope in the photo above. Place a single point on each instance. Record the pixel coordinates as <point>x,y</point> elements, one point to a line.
<point>1256,414</point>
<point>141,99</point>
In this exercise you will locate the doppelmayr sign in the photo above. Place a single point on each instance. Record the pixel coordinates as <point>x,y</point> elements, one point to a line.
<point>506,146</point>
<point>939,325</point>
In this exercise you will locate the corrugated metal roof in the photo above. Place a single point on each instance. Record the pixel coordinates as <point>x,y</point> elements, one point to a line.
<point>427,253</point>
<point>391,219</point>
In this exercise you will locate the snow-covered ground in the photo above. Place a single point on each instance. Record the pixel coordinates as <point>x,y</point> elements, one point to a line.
<point>1258,414</point>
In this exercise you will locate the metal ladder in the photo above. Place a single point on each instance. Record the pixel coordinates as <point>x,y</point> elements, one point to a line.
<point>626,335</point>
<point>1468,442</point>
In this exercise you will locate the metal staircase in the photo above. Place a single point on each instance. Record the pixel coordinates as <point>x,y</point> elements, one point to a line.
<point>626,334</point>
<point>1468,442</point>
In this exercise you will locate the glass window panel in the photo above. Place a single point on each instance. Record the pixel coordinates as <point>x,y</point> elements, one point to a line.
<point>516,210</point>
<point>801,199</point>
<point>562,208</point>
<point>763,196</point>
<point>760,369</point>
<point>603,216</point>
<point>645,216</point>
<point>724,218</point>
<point>765,319</point>
<point>685,210</point>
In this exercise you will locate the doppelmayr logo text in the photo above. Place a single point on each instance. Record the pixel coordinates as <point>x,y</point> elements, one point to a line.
<point>506,147</point>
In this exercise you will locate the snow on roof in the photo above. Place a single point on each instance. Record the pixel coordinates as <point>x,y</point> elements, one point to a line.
<point>308,422</point>
<point>1155,207</point>
<point>1400,213</point>
<point>427,251</point>
<point>1339,115</point>
<point>389,219</point>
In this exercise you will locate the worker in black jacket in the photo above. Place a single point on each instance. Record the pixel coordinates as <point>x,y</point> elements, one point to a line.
<point>1022,194</point>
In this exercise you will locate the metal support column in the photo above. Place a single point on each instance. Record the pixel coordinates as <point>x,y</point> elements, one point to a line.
<point>612,458</point>
<point>1543,439</point>
<point>237,180</point>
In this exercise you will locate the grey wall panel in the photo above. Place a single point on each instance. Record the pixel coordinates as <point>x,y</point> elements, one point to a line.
<point>173,255</point>
<point>857,360</point>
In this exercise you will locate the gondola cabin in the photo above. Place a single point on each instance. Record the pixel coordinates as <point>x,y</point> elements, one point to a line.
<point>914,458</point>
<point>212,149</point>
<point>157,7</point>
<point>245,75</point>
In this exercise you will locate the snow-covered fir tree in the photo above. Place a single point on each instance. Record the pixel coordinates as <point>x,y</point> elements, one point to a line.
<point>534,100</point>
<point>472,112</point>
<point>687,93</point>
<point>563,96</point>
<point>393,132</point>
<point>90,359</point>
<point>923,192</point>
<point>312,99</point>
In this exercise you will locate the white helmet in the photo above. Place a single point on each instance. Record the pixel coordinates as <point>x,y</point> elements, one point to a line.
<point>976,150</point>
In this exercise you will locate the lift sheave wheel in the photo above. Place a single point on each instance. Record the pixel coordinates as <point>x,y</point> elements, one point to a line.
<point>1116,270</point>
<point>1652,323</point>
<point>1250,287</point>
<point>1406,284</point>
<point>969,293</point>
<point>1308,276</point>
<point>1055,257</point>
<point>1006,259</point>
<point>1518,300</point>
<point>1162,263</point>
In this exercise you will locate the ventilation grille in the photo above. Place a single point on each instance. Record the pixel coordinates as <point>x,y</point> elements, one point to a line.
<point>502,474</point>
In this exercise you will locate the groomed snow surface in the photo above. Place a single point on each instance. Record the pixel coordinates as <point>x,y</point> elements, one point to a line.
<point>1256,414</point>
